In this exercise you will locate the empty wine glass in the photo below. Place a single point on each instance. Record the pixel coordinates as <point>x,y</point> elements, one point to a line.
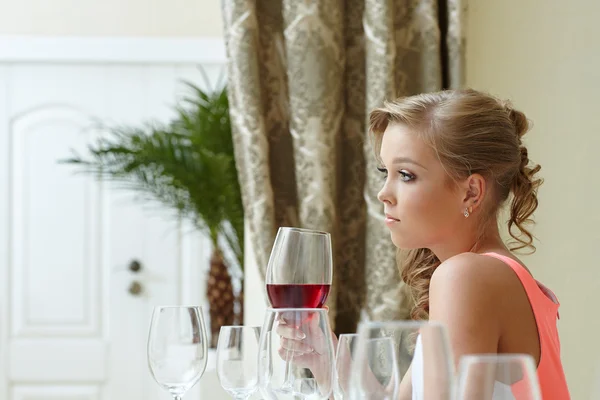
<point>497,377</point>
<point>303,337</point>
<point>300,270</point>
<point>380,368</point>
<point>177,348</point>
<point>343,359</point>
<point>237,359</point>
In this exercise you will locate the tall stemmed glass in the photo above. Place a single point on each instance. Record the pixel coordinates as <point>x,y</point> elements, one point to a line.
<point>237,360</point>
<point>299,272</point>
<point>401,359</point>
<point>302,336</point>
<point>177,348</point>
<point>498,377</point>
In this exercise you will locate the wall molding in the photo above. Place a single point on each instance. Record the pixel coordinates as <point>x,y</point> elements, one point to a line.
<point>118,50</point>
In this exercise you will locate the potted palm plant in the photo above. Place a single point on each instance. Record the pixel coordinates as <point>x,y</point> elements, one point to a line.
<point>188,165</point>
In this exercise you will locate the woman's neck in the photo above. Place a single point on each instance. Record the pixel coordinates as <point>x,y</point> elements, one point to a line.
<point>488,240</point>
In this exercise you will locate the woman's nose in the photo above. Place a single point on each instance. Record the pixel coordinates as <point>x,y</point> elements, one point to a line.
<point>384,195</point>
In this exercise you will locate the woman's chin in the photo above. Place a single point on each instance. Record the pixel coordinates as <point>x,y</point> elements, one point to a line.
<point>403,242</point>
<point>398,241</point>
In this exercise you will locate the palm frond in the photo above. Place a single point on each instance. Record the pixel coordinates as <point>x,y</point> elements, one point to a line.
<point>187,165</point>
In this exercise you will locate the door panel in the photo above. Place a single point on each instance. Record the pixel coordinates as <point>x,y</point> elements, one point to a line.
<point>70,326</point>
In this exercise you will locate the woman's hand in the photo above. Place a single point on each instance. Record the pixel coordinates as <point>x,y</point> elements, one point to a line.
<point>304,344</point>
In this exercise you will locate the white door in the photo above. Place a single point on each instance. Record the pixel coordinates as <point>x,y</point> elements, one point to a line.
<point>70,328</point>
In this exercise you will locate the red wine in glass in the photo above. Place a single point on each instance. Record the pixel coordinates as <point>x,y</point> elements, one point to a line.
<point>299,275</point>
<point>308,295</point>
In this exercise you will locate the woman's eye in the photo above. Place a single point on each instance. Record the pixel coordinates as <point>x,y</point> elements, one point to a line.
<point>406,176</point>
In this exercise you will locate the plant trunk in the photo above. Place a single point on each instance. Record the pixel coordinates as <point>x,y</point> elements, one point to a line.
<point>219,292</point>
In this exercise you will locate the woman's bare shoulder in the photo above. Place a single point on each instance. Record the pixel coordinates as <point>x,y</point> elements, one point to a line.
<point>471,265</point>
<point>467,294</point>
<point>475,276</point>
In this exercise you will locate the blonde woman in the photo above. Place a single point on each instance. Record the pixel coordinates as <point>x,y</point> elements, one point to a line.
<point>449,161</point>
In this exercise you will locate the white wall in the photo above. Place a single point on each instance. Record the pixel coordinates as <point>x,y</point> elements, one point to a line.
<point>545,56</point>
<point>111,17</point>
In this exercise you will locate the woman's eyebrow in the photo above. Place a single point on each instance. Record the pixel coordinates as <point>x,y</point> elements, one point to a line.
<point>408,160</point>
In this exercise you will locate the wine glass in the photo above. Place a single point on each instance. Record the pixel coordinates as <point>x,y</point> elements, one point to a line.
<point>343,359</point>
<point>300,268</point>
<point>299,271</point>
<point>421,346</point>
<point>303,337</point>
<point>237,358</point>
<point>498,377</point>
<point>177,348</point>
<point>380,361</point>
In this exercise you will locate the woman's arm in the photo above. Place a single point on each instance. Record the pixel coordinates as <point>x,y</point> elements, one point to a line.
<point>465,295</point>
<point>405,389</point>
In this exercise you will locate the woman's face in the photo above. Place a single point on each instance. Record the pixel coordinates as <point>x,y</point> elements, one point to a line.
<point>423,206</point>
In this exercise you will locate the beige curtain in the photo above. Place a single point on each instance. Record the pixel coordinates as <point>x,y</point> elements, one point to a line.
<point>303,75</point>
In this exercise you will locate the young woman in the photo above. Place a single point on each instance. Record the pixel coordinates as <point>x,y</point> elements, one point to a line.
<point>451,160</point>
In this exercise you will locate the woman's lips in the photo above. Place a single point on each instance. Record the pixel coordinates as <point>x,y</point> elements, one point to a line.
<point>389,220</point>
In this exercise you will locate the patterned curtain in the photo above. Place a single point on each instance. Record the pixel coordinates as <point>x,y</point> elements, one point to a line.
<point>303,75</point>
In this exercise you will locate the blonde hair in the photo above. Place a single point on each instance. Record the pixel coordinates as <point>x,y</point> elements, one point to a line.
<point>471,132</point>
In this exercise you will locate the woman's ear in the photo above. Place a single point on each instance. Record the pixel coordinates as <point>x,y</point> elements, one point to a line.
<point>474,189</point>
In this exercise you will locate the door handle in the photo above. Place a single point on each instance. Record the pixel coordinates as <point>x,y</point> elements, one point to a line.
<point>135,289</point>
<point>135,266</point>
